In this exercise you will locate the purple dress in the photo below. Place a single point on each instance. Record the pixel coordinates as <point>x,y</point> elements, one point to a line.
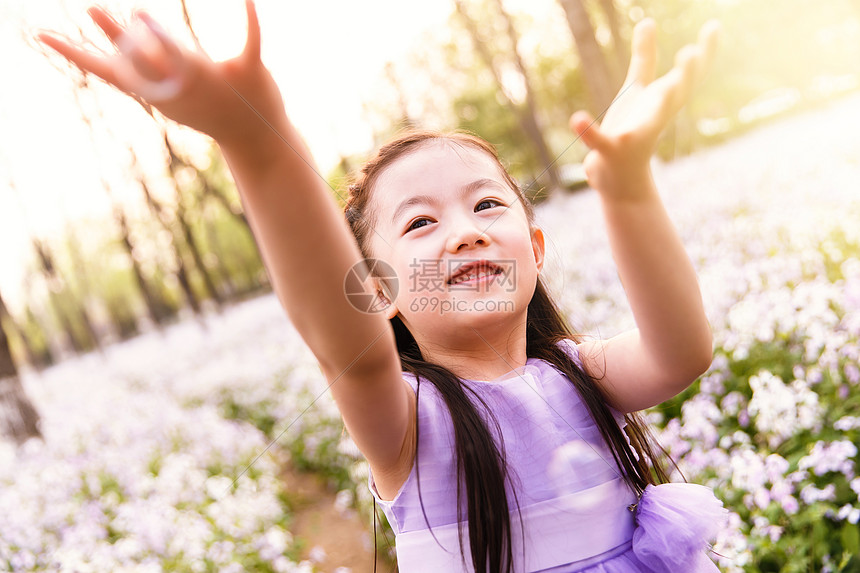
<point>577,512</point>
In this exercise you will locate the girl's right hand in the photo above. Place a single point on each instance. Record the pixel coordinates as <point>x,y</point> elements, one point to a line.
<point>623,143</point>
<point>233,101</point>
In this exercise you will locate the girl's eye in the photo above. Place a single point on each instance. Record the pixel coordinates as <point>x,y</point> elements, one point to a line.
<point>490,202</point>
<point>481,206</point>
<point>415,224</point>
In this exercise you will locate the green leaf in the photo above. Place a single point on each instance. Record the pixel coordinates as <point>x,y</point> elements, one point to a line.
<point>851,539</point>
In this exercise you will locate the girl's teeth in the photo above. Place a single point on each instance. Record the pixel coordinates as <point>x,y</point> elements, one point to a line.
<point>482,274</point>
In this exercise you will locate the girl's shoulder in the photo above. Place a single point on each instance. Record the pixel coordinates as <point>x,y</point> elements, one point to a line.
<point>424,390</point>
<point>571,349</point>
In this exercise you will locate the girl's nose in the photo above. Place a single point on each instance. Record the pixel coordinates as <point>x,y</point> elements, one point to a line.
<point>466,235</point>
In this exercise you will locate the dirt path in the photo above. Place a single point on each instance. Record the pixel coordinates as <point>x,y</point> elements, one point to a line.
<point>332,538</point>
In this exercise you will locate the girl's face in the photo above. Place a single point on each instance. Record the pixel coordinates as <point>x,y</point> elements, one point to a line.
<point>458,239</point>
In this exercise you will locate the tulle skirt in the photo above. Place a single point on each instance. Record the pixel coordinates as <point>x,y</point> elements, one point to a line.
<point>675,523</point>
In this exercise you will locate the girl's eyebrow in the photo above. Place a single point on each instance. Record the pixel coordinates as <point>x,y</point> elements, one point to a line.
<point>465,190</point>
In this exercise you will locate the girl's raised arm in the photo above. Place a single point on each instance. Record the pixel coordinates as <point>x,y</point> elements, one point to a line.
<point>672,343</point>
<point>304,239</point>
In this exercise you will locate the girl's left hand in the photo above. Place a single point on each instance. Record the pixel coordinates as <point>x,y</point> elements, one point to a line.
<point>621,147</point>
<point>235,101</point>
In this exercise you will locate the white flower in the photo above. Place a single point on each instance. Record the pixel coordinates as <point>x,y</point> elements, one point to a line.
<point>811,494</point>
<point>849,513</point>
<point>781,410</point>
<point>748,470</point>
<point>700,415</point>
<point>830,457</point>
<point>846,423</point>
<point>218,486</point>
<point>273,543</point>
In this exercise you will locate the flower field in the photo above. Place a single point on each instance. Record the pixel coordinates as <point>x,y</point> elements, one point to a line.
<point>164,452</point>
<point>140,470</point>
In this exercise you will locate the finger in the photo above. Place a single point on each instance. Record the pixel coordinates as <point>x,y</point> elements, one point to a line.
<point>87,61</point>
<point>252,43</point>
<point>693,59</point>
<point>142,52</point>
<point>160,34</point>
<point>709,37</point>
<point>643,61</point>
<point>675,87</point>
<point>588,131</point>
<point>688,62</point>
<point>151,51</point>
<point>676,92</point>
<point>106,22</point>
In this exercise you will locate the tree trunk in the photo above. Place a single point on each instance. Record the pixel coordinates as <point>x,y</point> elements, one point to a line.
<point>19,420</point>
<point>620,49</point>
<point>7,322</point>
<point>594,68</point>
<point>37,338</point>
<point>194,249</point>
<point>163,218</point>
<point>174,163</point>
<point>527,114</point>
<point>7,366</point>
<point>157,309</point>
<point>80,274</point>
<point>56,288</point>
<point>211,190</point>
<point>225,279</point>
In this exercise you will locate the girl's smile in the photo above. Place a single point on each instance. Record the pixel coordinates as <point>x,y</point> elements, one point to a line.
<point>482,271</point>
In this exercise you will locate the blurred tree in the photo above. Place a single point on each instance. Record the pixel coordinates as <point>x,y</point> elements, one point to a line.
<point>526,112</point>
<point>174,164</point>
<point>70,313</point>
<point>210,188</point>
<point>602,86</point>
<point>84,292</point>
<point>406,120</point>
<point>165,218</point>
<point>114,285</point>
<point>12,331</point>
<point>19,420</point>
<point>620,45</point>
<point>213,186</point>
<point>72,318</point>
<point>35,336</point>
<point>157,305</point>
<point>32,336</point>
<point>229,236</point>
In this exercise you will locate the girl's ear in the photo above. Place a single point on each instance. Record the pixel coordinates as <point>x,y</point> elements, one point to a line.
<point>384,296</point>
<point>538,247</point>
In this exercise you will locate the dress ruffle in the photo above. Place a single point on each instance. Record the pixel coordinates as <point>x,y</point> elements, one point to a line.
<point>675,525</point>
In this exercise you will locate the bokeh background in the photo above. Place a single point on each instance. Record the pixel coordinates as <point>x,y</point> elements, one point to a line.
<point>159,413</point>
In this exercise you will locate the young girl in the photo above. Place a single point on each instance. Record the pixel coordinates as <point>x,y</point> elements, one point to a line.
<point>494,436</point>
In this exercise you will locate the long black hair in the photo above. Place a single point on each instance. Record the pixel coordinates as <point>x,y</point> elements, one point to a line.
<point>481,462</point>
